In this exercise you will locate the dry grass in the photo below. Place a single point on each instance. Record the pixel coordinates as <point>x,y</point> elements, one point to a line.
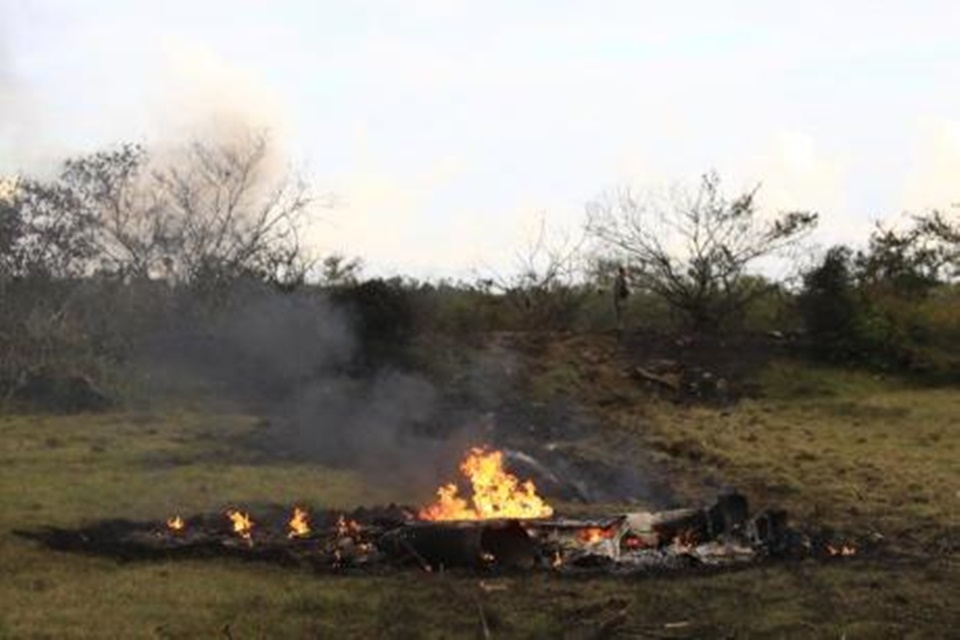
<point>842,448</point>
<point>836,448</point>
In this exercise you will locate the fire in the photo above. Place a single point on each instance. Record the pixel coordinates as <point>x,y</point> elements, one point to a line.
<point>299,523</point>
<point>242,524</point>
<point>633,542</point>
<point>175,523</point>
<point>347,528</point>
<point>593,535</point>
<point>496,493</point>
<point>842,550</point>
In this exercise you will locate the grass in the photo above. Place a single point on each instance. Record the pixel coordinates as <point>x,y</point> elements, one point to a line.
<point>843,449</point>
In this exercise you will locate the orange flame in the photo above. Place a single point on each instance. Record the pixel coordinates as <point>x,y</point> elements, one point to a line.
<point>175,523</point>
<point>593,535</point>
<point>633,542</point>
<point>347,528</point>
<point>843,550</point>
<point>299,523</point>
<point>496,493</point>
<point>242,524</point>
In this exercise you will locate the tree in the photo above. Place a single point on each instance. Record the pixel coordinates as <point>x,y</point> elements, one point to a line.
<point>944,229</point>
<point>212,214</point>
<point>336,270</point>
<point>212,207</point>
<point>133,226</point>
<point>230,218</point>
<point>694,249</point>
<point>830,305</point>
<point>543,286</point>
<point>910,262</point>
<point>45,243</point>
<point>44,233</point>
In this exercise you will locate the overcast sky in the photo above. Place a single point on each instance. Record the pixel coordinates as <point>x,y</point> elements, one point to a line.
<point>445,127</point>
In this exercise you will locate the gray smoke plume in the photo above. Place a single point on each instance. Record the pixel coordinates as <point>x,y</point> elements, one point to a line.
<point>293,359</point>
<point>296,359</point>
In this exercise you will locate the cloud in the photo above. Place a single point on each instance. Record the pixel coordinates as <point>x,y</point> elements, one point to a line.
<point>393,219</point>
<point>410,223</point>
<point>796,172</point>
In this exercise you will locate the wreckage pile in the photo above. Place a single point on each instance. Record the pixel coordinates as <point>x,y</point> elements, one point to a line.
<point>372,539</point>
<point>504,525</point>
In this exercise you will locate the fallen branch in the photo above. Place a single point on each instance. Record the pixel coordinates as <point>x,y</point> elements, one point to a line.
<point>670,381</point>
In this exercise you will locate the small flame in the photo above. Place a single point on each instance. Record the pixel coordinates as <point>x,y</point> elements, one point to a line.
<point>299,523</point>
<point>242,524</point>
<point>557,561</point>
<point>593,535</point>
<point>347,528</point>
<point>496,493</point>
<point>175,523</point>
<point>842,550</point>
<point>633,542</point>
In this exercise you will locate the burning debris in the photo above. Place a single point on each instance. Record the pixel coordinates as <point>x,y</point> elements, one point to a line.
<point>242,524</point>
<point>299,523</point>
<point>496,493</point>
<point>503,525</point>
<point>175,523</point>
<point>842,550</point>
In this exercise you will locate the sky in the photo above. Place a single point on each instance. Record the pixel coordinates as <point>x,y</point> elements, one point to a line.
<point>448,129</point>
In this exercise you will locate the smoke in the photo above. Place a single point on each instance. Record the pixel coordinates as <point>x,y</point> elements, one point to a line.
<point>200,94</point>
<point>296,359</point>
<point>330,396</point>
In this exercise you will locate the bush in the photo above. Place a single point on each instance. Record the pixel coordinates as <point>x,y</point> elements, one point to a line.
<point>383,315</point>
<point>852,317</point>
<point>829,307</point>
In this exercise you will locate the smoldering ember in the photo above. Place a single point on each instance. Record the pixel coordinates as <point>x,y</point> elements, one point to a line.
<point>503,525</point>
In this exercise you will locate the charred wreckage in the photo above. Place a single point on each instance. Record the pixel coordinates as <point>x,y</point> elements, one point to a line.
<point>504,525</point>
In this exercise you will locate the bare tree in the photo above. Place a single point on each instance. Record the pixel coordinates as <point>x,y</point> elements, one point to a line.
<point>230,218</point>
<point>543,285</point>
<point>694,249</point>
<point>213,212</point>
<point>133,225</point>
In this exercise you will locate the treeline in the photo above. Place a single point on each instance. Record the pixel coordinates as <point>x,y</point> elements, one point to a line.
<point>120,246</point>
<point>122,250</point>
<point>894,304</point>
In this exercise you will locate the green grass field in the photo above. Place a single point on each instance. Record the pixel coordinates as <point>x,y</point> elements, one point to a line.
<point>841,449</point>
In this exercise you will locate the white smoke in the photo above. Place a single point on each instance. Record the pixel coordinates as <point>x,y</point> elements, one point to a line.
<point>200,94</point>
